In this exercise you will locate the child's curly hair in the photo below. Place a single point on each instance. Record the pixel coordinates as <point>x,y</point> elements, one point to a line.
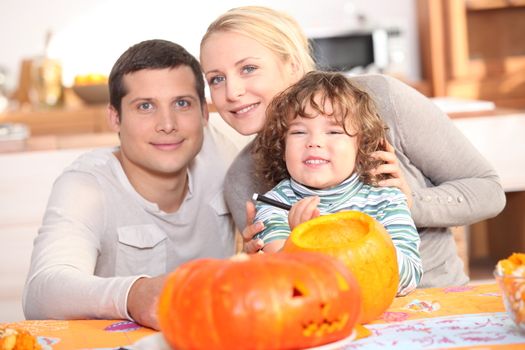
<point>352,107</point>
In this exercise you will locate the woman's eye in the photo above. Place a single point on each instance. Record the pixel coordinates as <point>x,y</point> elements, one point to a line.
<point>248,69</point>
<point>216,80</point>
<point>296,132</point>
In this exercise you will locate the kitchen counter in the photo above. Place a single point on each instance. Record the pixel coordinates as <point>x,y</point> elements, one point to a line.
<point>500,140</point>
<point>60,121</point>
<point>59,142</point>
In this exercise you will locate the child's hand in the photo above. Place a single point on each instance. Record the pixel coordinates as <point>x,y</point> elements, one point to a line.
<point>304,210</point>
<point>392,168</point>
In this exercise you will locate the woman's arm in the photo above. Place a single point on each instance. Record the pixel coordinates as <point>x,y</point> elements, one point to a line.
<point>239,186</point>
<point>452,184</point>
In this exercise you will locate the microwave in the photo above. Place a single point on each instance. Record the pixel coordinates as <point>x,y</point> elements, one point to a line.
<point>354,50</point>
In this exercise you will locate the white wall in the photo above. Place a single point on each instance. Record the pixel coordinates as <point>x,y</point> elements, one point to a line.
<point>91,34</point>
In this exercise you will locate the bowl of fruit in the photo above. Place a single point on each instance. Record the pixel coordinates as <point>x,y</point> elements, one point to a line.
<point>510,275</point>
<point>92,88</point>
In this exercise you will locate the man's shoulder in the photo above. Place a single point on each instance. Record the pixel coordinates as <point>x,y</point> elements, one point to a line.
<point>92,160</point>
<point>93,167</point>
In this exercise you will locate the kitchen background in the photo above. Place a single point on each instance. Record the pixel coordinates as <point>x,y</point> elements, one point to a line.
<point>89,35</point>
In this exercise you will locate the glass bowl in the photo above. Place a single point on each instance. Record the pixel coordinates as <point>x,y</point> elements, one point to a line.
<point>513,294</point>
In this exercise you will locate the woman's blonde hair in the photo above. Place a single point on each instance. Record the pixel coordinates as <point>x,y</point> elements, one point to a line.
<point>352,108</point>
<point>277,31</point>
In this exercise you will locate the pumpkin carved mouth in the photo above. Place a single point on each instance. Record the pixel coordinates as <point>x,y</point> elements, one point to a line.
<point>326,326</point>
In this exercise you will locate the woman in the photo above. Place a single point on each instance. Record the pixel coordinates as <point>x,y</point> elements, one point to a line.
<point>249,54</point>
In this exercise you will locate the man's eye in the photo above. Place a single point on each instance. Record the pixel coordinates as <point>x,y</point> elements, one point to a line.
<point>145,106</point>
<point>216,80</point>
<point>183,103</point>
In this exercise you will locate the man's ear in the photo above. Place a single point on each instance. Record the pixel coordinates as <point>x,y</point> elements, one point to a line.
<point>113,119</point>
<point>205,113</point>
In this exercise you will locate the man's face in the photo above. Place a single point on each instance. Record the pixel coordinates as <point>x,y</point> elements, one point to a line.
<point>161,122</point>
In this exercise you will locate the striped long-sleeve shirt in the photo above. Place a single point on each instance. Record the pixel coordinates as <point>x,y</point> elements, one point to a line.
<point>387,205</point>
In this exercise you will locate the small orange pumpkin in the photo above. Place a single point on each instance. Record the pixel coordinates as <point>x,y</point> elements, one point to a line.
<point>363,245</point>
<point>261,301</point>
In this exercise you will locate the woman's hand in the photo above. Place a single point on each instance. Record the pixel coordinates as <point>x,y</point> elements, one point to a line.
<point>392,168</point>
<point>251,245</point>
<point>304,210</point>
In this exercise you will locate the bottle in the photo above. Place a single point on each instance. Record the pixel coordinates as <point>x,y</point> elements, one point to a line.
<point>4,101</point>
<point>46,79</point>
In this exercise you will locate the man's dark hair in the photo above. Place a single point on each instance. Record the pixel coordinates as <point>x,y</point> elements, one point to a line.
<point>151,54</point>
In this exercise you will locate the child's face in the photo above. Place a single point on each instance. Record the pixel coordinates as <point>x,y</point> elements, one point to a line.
<point>319,153</point>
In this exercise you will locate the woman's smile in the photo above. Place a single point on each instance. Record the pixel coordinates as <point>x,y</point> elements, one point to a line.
<point>243,110</point>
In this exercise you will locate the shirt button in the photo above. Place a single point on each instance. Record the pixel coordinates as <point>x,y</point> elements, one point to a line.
<point>450,199</point>
<point>460,199</point>
<point>428,198</point>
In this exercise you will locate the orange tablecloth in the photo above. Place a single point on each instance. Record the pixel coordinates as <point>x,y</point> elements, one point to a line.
<point>470,317</point>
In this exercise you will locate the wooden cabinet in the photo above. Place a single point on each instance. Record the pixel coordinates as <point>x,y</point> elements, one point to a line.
<point>474,49</point>
<point>61,121</point>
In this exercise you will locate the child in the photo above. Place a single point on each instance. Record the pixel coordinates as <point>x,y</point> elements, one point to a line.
<point>316,149</point>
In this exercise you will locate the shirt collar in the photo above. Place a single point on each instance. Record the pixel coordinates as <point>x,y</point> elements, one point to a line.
<point>150,206</point>
<point>331,196</point>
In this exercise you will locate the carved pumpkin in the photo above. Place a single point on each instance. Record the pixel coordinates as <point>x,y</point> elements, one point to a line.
<point>262,301</point>
<point>363,245</point>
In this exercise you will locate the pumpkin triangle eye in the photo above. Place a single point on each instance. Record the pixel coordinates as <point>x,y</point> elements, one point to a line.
<point>296,293</point>
<point>299,291</point>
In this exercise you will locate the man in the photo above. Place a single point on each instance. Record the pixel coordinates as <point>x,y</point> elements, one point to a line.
<point>119,219</point>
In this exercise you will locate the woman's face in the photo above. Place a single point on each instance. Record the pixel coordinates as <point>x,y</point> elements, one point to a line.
<point>243,77</point>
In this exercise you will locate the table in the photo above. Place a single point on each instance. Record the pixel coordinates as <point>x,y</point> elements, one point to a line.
<point>470,317</point>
